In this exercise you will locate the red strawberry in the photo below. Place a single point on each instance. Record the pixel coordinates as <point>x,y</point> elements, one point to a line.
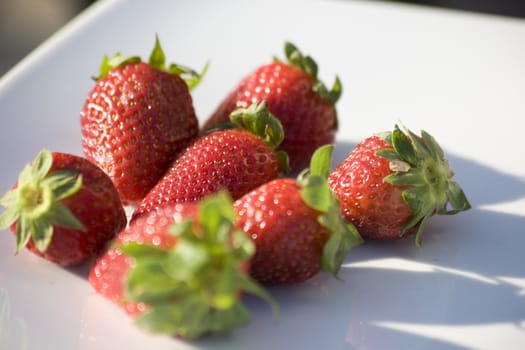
<point>296,226</point>
<point>181,269</point>
<point>391,184</point>
<point>135,119</point>
<point>295,96</point>
<point>237,160</point>
<point>63,208</point>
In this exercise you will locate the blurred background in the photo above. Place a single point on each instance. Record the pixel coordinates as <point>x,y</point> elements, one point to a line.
<point>24,24</point>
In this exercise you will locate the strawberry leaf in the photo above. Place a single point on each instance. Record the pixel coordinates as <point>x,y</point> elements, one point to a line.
<point>457,199</point>
<point>344,237</point>
<point>332,95</point>
<point>216,220</point>
<point>307,64</point>
<point>297,59</point>
<point>150,283</point>
<point>228,319</point>
<point>250,286</point>
<point>337,89</point>
<point>433,146</point>
<point>59,215</point>
<point>411,177</point>
<point>388,153</point>
<point>242,247</point>
<point>157,58</point>
<point>190,254</point>
<point>140,251</point>
<point>403,146</point>
<point>182,319</point>
<point>115,61</point>
<point>190,319</point>
<point>316,193</point>
<point>284,161</point>
<point>421,150</point>
<point>41,165</point>
<point>12,213</point>
<point>419,231</point>
<point>63,183</point>
<point>191,77</point>
<point>23,233</point>
<point>42,232</point>
<point>321,161</point>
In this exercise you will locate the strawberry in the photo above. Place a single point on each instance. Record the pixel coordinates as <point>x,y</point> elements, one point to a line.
<point>296,226</point>
<point>181,269</point>
<point>62,208</point>
<point>392,183</point>
<point>237,160</point>
<point>296,97</point>
<point>135,120</point>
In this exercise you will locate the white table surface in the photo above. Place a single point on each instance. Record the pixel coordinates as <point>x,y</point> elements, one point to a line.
<point>457,75</point>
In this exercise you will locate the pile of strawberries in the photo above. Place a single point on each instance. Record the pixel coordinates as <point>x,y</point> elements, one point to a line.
<point>248,199</point>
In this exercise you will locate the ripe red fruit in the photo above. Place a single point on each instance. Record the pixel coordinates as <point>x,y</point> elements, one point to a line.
<point>296,226</point>
<point>296,97</point>
<point>237,160</point>
<point>181,270</point>
<point>135,120</point>
<point>63,208</point>
<point>391,184</point>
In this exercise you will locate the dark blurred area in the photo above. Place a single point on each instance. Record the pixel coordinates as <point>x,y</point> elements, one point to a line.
<point>509,8</point>
<point>24,24</point>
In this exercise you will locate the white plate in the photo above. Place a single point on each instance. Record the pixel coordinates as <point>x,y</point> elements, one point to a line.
<point>459,76</point>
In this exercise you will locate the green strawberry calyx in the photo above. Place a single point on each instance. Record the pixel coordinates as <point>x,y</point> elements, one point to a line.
<point>35,203</point>
<point>157,60</point>
<point>316,193</point>
<point>308,65</point>
<point>418,164</point>
<point>258,120</point>
<point>195,288</point>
